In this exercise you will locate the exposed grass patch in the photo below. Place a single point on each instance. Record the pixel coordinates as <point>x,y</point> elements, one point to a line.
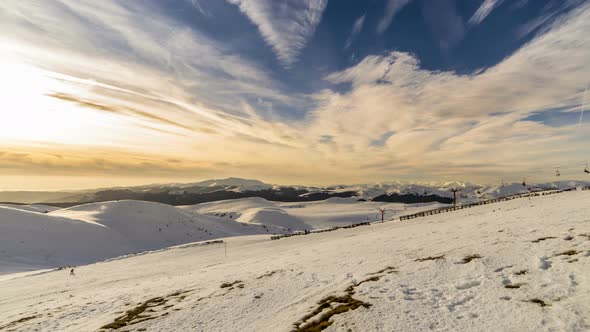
<point>135,315</point>
<point>430,258</point>
<point>18,321</point>
<point>568,253</point>
<point>468,259</point>
<point>268,274</point>
<point>387,269</point>
<point>144,311</point>
<point>543,239</point>
<point>180,293</point>
<point>230,284</point>
<point>513,286</point>
<point>335,305</point>
<point>539,302</point>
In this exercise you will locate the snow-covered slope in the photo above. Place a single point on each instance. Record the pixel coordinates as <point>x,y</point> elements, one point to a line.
<point>519,265</point>
<point>272,217</point>
<point>231,206</point>
<point>31,207</point>
<point>31,240</point>
<point>306,215</point>
<point>148,225</point>
<point>252,210</point>
<point>92,232</point>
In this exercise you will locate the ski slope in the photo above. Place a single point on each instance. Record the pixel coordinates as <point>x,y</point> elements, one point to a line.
<point>519,265</point>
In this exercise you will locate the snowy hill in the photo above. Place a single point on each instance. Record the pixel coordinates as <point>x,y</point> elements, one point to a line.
<point>91,232</point>
<point>252,210</point>
<point>30,240</point>
<point>305,215</point>
<point>519,265</point>
<point>30,207</point>
<point>96,231</point>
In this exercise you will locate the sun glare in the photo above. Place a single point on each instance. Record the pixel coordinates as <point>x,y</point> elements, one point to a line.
<point>31,114</point>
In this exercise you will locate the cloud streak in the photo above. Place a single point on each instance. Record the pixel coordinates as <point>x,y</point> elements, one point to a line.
<point>392,7</point>
<point>285,25</point>
<point>157,91</point>
<point>483,11</point>
<point>356,29</point>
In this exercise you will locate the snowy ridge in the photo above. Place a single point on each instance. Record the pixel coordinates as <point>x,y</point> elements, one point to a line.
<point>30,207</point>
<point>328,213</point>
<point>97,231</point>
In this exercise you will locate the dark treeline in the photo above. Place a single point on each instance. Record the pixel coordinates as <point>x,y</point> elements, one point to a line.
<point>412,198</point>
<point>281,194</point>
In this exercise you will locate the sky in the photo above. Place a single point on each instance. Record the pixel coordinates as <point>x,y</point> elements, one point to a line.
<point>314,92</point>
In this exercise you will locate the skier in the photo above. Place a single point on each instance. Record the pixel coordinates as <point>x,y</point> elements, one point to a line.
<point>72,272</point>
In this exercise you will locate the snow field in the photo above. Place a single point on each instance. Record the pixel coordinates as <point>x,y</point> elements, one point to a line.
<point>520,265</point>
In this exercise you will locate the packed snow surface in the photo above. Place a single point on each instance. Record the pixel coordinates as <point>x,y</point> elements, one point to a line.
<point>519,265</point>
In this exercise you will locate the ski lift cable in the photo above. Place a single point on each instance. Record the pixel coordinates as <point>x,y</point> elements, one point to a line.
<point>564,166</point>
<point>558,170</point>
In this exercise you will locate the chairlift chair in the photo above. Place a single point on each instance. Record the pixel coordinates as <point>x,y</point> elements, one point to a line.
<point>586,169</point>
<point>557,171</point>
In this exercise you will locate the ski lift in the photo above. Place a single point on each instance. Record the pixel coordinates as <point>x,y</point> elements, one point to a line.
<point>586,169</point>
<point>557,171</point>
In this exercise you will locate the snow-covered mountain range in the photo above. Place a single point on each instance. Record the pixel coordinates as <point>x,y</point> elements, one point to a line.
<point>233,188</point>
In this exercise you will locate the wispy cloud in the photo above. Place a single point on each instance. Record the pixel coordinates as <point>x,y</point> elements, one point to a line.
<point>202,9</point>
<point>442,117</point>
<point>392,7</point>
<point>483,11</point>
<point>286,25</point>
<point>156,91</point>
<point>356,29</point>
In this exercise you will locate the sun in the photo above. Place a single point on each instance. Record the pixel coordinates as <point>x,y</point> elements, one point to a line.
<point>30,114</point>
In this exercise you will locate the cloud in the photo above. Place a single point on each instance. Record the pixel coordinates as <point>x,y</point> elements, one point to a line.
<point>443,118</point>
<point>550,12</point>
<point>356,29</point>
<point>158,92</point>
<point>483,11</point>
<point>134,39</point>
<point>391,8</point>
<point>197,4</point>
<point>285,25</point>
